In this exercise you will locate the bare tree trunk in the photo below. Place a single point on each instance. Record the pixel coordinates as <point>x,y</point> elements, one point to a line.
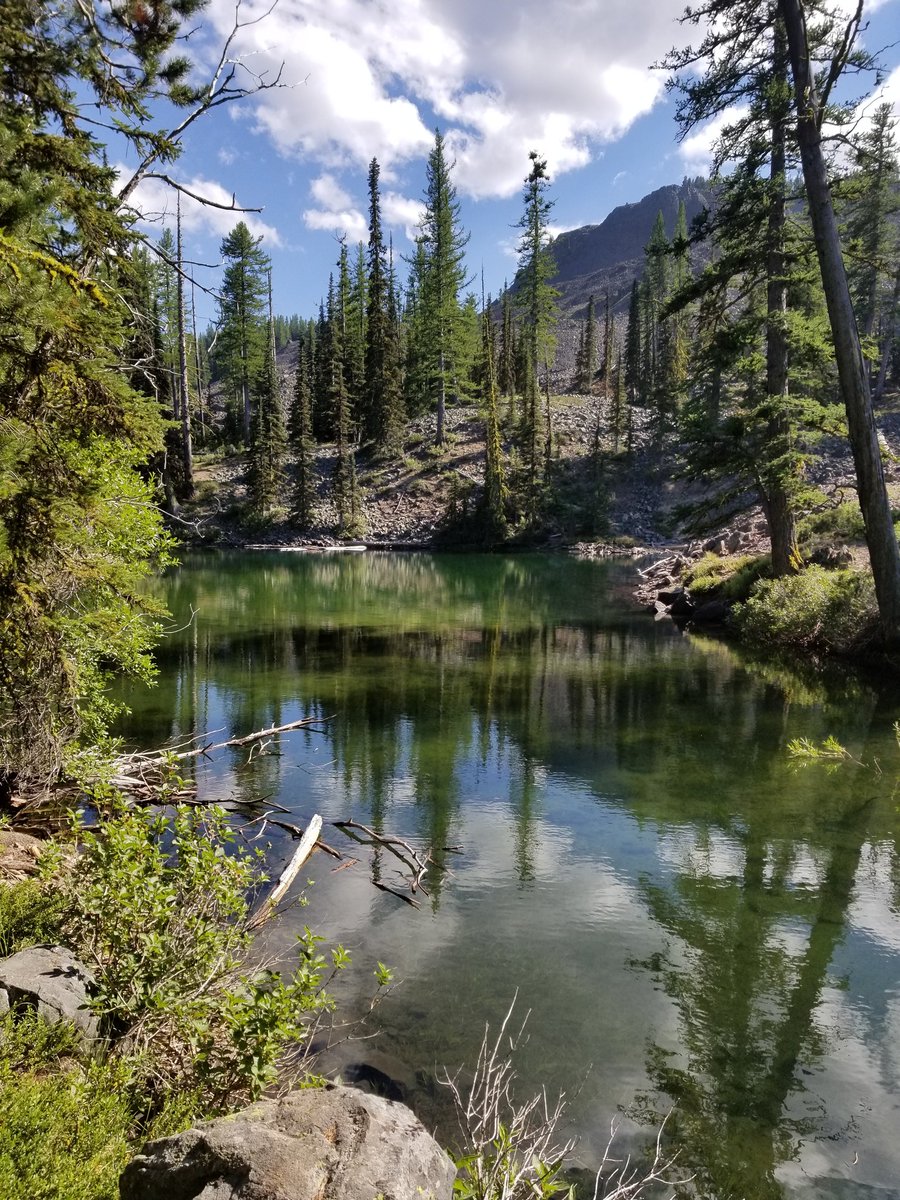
<point>187,452</point>
<point>873,498</point>
<point>887,341</point>
<point>780,509</point>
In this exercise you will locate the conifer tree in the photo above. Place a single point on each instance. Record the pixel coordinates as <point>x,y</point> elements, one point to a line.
<point>633,348</point>
<point>267,432</point>
<point>495,489</point>
<point>243,336</point>
<point>588,362</point>
<point>303,443</point>
<point>444,278</point>
<point>345,485</point>
<point>770,428</point>
<point>808,114</point>
<point>537,303</point>
<point>377,419</point>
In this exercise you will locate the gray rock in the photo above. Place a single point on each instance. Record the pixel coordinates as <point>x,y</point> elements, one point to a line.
<point>53,981</point>
<point>713,612</point>
<point>682,606</point>
<point>831,557</point>
<point>332,1142</point>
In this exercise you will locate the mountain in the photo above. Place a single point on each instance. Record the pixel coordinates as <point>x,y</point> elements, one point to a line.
<point>608,256</point>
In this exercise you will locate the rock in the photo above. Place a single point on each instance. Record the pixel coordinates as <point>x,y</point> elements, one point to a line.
<point>831,557</point>
<point>682,606</point>
<point>333,1141</point>
<point>713,612</point>
<point>53,981</point>
<point>19,854</point>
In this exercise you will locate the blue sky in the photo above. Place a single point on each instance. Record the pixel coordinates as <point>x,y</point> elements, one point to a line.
<point>568,78</point>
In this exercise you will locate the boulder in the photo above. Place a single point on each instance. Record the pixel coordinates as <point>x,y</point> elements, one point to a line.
<point>333,1141</point>
<point>53,981</point>
<point>682,606</point>
<point>831,557</point>
<point>713,612</point>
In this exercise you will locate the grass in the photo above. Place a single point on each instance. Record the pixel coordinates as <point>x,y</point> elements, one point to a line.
<point>729,578</point>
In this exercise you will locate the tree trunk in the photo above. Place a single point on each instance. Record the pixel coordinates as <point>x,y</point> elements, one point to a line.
<point>873,498</point>
<point>780,509</point>
<point>187,452</point>
<point>887,341</point>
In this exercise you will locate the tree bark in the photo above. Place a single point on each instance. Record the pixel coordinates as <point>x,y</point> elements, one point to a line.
<point>187,450</point>
<point>780,509</point>
<point>873,498</point>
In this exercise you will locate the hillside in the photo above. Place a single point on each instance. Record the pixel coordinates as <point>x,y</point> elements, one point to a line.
<point>608,256</point>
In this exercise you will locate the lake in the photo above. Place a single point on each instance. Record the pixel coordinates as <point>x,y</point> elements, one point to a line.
<point>621,839</point>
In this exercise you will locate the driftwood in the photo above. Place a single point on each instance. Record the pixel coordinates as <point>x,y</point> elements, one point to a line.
<point>289,874</point>
<point>418,861</point>
<point>147,778</point>
<point>141,775</point>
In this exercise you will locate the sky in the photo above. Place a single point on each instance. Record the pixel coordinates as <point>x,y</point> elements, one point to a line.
<point>571,79</point>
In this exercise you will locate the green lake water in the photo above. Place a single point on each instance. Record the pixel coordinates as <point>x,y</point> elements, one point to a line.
<point>690,918</point>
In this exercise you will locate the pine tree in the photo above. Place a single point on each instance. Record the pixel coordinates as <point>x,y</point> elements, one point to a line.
<point>588,356</point>
<point>267,434</point>
<point>301,437</point>
<point>634,342</point>
<point>346,486</point>
<point>884,554</point>
<point>767,434</point>
<point>537,303</point>
<point>243,337</point>
<point>379,423</point>
<point>79,530</point>
<point>444,278</point>
<point>496,494</point>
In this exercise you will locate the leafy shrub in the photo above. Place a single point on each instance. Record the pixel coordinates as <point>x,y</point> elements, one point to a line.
<point>834,611</point>
<point>842,523</point>
<point>157,908</point>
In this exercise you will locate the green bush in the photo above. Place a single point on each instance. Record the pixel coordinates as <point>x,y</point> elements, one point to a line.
<point>730,578</point>
<point>30,913</point>
<point>157,908</point>
<point>842,523</point>
<point>64,1121</point>
<point>832,611</point>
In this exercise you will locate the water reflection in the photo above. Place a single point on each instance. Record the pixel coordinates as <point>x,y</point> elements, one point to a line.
<point>677,904</point>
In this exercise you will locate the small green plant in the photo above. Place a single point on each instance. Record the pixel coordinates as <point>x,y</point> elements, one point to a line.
<point>64,1119</point>
<point>30,913</point>
<point>729,578</point>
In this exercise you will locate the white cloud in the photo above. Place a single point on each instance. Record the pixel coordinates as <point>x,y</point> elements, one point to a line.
<point>502,79</point>
<point>401,212</point>
<point>696,151</point>
<point>155,202</point>
<point>226,156</point>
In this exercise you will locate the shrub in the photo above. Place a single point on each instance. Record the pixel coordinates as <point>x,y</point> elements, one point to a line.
<point>30,913</point>
<point>64,1121</point>
<point>158,909</point>
<point>833,611</point>
<point>844,522</point>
